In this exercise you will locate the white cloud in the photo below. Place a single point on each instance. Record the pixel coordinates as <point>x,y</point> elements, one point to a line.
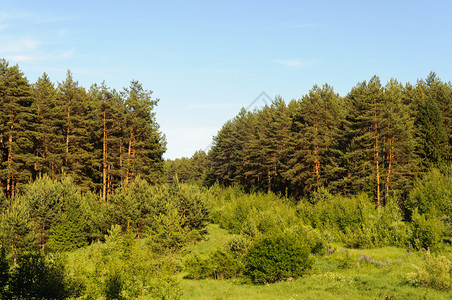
<point>293,63</point>
<point>19,45</point>
<point>21,50</point>
<point>22,58</point>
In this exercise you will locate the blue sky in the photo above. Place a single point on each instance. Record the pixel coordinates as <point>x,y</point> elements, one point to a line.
<point>205,60</point>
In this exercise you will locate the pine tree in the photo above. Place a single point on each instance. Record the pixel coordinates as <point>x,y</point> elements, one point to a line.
<point>77,130</point>
<point>109,122</point>
<point>398,142</point>
<point>441,92</point>
<point>432,136</point>
<point>16,228</point>
<point>17,127</point>
<point>242,140</point>
<point>361,158</point>
<point>264,152</point>
<point>145,145</point>
<point>49,139</point>
<point>220,156</point>
<point>315,121</point>
<point>276,152</point>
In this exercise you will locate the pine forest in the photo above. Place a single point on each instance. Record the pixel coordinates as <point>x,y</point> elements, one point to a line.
<point>323,196</point>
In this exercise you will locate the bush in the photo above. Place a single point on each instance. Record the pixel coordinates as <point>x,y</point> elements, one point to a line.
<point>432,195</point>
<point>113,287</point>
<point>126,267</point>
<point>436,273</point>
<point>254,214</point>
<point>354,220</point>
<point>271,259</point>
<point>66,236</point>
<point>37,277</point>
<point>321,195</point>
<point>427,232</point>
<point>143,208</point>
<point>4,272</point>
<point>197,267</point>
<point>219,265</point>
<point>223,265</point>
<point>237,246</point>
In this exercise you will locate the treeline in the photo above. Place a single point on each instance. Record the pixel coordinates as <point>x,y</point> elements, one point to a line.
<point>187,169</point>
<point>376,139</point>
<point>100,137</point>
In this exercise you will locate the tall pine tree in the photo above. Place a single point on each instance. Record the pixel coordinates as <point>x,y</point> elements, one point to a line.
<point>17,127</point>
<point>144,143</point>
<point>49,139</point>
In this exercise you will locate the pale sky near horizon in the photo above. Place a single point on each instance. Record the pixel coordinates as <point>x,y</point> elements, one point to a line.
<point>205,60</point>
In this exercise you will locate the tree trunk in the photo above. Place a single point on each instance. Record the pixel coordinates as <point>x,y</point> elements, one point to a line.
<point>109,180</point>
<point>129,153</point>
<point>388,172</point>
<point>120,162</point>
<point>376,150</point>
<point>316,166</point>
<point>68,131</point>
<point>15,256</point>
<point>269,179</point>
<point>104,161</point>
<point>316,159</point>
<point>378,173</point>
<point>9,181</point>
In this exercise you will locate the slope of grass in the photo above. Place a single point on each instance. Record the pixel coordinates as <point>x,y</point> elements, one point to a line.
<point>215,239</point>
<point>342,274</point>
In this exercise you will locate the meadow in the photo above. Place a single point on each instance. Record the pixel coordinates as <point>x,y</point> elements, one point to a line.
<point>340,275</point>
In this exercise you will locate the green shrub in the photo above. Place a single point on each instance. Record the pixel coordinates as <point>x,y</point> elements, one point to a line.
<point>321,195</point>
<point>344,260</point>
<point>254,214</point>
<point>113,287</point>
<point>197,267</point>
<point>237,246</point>
<point>223,265</point>
<point>432,195</point>
<point>37,277</point>
<point>271,259</point>
<point>219,265</point>
<point>436,273</point>
<point>66,236</point>
<point>144,208</point>
<point>354,220</point>
<point>426,231</point>
<point>124,266</point>
<point>192,206</point>
<point>337,213</point>
<point>4,272</point>
<point>308,236</point>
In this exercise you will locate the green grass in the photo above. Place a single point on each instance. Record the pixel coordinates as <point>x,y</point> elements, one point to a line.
<point>327,280</point>
<point>215,239</point>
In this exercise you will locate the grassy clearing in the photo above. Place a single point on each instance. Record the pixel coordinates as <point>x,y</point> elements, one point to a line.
<point>216,239</point>
<point>340,275</point>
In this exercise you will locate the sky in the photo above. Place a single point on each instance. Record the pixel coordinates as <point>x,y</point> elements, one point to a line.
<point>205,60</point>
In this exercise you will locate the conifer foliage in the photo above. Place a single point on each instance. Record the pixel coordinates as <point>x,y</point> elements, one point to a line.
<point>100,137</point>
<point>376,139</point>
